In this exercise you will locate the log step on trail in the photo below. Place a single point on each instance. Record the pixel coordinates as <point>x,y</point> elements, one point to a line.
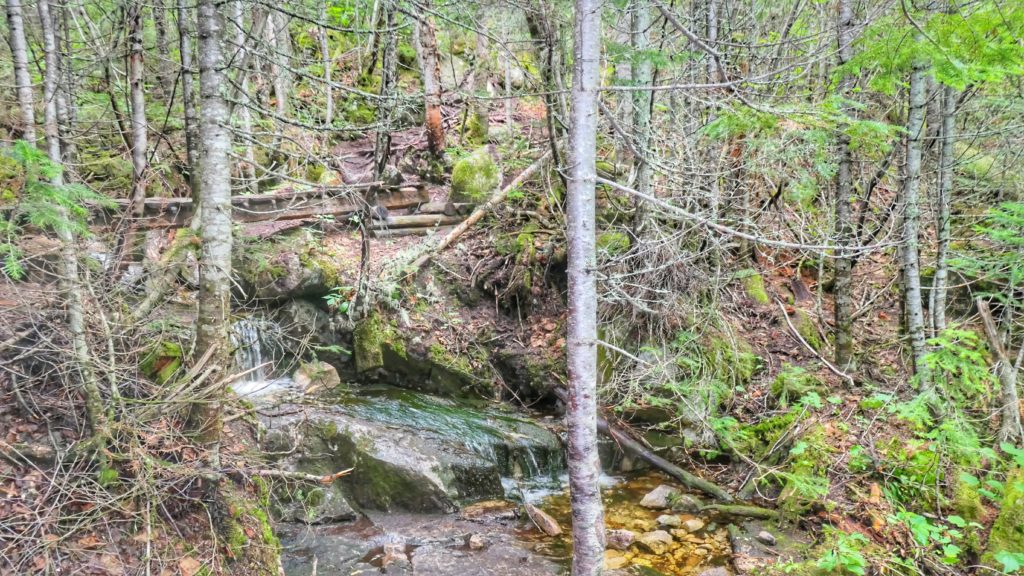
<point>291,205</point>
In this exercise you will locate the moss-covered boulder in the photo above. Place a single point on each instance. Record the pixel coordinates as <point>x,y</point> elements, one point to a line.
<point>1007,533</point>
<point>793,383</point>
<point>807,328</point>
<point>162,361</point>
<point>475,177</point>
<point>806,482</point>
<point>411,451</point>
<point>753,286</point>
<point>295,265</point>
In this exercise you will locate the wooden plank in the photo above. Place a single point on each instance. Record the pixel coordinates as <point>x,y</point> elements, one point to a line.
<point>402,232</point>
<point>291,205</point>
<point>416,221</point>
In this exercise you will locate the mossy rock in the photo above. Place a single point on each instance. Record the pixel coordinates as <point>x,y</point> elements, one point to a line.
<point>807,328</point>
<point>806,480</point>
<point>1007,533</point>
<point>732,359</point>
<point>243,520</point>
<point>475,177</point>
<point>795,382</point>
<point>368,341</point>
<point>755,440</point>
<point>478,125</point>
<point>162,361</point>
<point>294,265</point>
<point>753,285</point>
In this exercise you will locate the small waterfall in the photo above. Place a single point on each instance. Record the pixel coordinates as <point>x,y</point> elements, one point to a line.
<point>257,344</point>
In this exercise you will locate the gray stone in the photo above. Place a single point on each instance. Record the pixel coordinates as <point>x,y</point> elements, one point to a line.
<point>659,498</point>
<point>499,559</point>
<point>409,451</point>
<point>715,571</point>
<point>313,377</point>
<point>693,525</point>
<point>476,542</point>
<point>669,520</point>
<point>619,539</point>
<point>320,505</point>
<point>656,542</point>
<point>685,503</point>
<point>765,537</point>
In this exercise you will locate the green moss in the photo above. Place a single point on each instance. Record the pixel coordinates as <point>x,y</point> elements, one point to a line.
<point>793,383</point>
<point>162,361</point>
<point>967,501</point>
<point>368,339</point>
<point>614,243</point>
<point>474,177</point>
<point>732,359</point>
<point>477,125</point>
<point>314,172</point>
<point>755,440</point>
<point>1007,533</point>
<point>753,284</point>
<point>807,329</point>
<point>407,55</point>
<point>806,481</point>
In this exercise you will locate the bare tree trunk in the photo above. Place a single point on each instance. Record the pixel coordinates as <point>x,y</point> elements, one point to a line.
<point>19,53</point>
<point>69,250</point>
<point>247,168</point>
<point>843,311</point>
<point>584,466</point>
<point>164,78</point>
<point>509,102</point>
<point>67,113</point>
<point>281,50</point>
<point>388,89</point>
<point>427,47</point>
<point>140,133</point>
<point>1010,429</point>
<point>643,75</point>
<point>215,260</point>
<point>325,56</point>
<point>937,307</point>
<point>188,97</point>
<point>911,220</point>
<point>538,21</point>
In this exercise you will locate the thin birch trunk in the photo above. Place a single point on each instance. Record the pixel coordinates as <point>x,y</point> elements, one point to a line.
<point>431,73</point>
<point>67,116</point>
<point>215,259</point>
<point>937,307</point>
<point>137,90</point>
<point>843,310</point>
<point>23,82</point>
<point>188,97</point>
<point>642,72</point>
<point>70,284</point>
<point>911,220</point>
<point>164,78</point>
<point>1010,429</point>
<point>584,466</point>
<point>247,167</point>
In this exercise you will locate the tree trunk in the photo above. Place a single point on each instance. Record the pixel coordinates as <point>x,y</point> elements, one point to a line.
<point>67,113</point>
<point>188,97</point>
<point>388,90</point>
<point>247,167</point>
<point>642,72</point>
<point>164,78</point>
<point>431,73</point>
<point>70,285</point>
<point>538,22</point>
<point>19,53</point>
<point>325,56</point>
<point>1010,429</point>
<point>911,220</point>
<point>843,311</point>
<point>215,259</point>
<point>937,307</point>
<point>584,466</point>
<point>137,88</point>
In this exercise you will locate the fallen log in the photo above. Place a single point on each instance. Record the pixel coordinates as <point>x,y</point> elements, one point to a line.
<point>415,221</point>
<point>403,232</point>
<point>477,214</point>
<point>631,446</point>
<point>742,510</point>
<point>291,205</point>
<point>446,208</point>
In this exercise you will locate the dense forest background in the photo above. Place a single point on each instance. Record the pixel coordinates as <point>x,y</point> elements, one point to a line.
<point>782,242</point>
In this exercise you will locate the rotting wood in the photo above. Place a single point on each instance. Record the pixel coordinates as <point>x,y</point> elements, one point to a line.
<point>293,205</point>
<point>415,221</point>
<point>403,232</point>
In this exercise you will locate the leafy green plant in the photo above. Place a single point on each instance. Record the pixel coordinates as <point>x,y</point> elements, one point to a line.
<point>62,209</point>
<point>846,555</point>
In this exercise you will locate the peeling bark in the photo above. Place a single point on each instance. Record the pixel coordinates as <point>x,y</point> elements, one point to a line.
<point>911,220</point>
